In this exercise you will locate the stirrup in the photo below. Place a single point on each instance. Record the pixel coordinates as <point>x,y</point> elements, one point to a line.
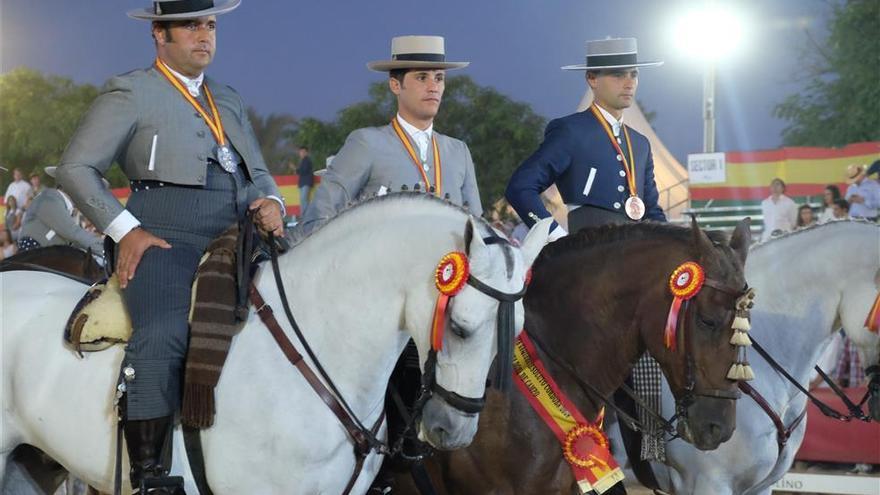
<point>172,484</point>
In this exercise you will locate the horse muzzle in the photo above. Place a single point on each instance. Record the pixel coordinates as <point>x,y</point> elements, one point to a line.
<point>446,427</point>
<point>708,422</point>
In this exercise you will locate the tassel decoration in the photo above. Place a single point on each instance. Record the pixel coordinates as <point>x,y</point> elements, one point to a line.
<point>741,323</point>
<point>741,338</point>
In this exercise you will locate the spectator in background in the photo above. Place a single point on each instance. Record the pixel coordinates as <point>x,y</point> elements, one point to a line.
<point>12,219</point>
<point>840,209</point>
<point>36,188</point>
<point>779,211</point>
<point>832,194</point>
<point>18,189</point>
<point>7,246</point>
<point>805,217</point>
<point>863,193</point>
<point>305,171</point>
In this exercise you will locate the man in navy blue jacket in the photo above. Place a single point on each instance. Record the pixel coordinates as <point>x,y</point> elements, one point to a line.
<point>603,169</point>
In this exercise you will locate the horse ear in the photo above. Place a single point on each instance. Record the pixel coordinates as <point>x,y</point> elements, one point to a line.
<point>702,243</point>
<point>742,239</point>
<point>472,242</point>
<point>535,240</point>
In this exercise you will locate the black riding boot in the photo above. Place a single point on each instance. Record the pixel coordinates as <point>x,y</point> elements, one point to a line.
<point>146,440</point>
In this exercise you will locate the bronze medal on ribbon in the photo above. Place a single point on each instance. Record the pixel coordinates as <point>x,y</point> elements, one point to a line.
<point>635,208</point>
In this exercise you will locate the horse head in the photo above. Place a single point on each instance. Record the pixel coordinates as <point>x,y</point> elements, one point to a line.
<point>699,368</point>
<point>482,318</point>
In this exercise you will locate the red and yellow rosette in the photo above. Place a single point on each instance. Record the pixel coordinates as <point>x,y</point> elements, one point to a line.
<point>450,277</point>
<point>873,320</point>
<point>684,283</point>
<point>584,445</point>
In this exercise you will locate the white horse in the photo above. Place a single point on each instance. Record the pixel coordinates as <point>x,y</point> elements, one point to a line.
<point>808,284</point>
<point>360,287</point>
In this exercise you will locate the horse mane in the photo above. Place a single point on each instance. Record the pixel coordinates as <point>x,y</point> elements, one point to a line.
<point>591,238</point>
<point>416,197</point>
<point>811,228</point>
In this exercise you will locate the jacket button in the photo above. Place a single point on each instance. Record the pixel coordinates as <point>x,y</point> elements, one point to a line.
<point>616,205</point>
<point>619,188</point>
<point>200,134</point>
<point>619,158</point>
<point>202,158</point>
<point>200,178</point>
<point>622,173</point>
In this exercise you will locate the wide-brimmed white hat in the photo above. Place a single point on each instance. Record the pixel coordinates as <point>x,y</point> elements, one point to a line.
<point>611,53</point>
<point>175,10</point>
<point>416,52</point>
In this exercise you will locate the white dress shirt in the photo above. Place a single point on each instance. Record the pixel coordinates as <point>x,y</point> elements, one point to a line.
<point>421,137</point>
<point>778,215</point>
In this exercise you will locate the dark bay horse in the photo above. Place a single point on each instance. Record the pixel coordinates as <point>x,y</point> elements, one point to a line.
<point>597,301</point>
<point>69,260</point>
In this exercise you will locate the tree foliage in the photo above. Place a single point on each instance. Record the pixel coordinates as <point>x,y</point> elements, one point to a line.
<point>274,133</point>
<point>499,131</point>
<point>38,114</point>
<point>841,103</point>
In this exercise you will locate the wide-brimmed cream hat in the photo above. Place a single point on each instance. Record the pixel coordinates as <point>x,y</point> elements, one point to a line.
<point>175,10</point>
<point>854,173</point>
<point>416,52</point>
<point>612,53</point>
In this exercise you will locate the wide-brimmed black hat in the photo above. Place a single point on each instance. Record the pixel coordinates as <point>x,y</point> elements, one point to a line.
<point>175,10</point>
<point>611,53</point>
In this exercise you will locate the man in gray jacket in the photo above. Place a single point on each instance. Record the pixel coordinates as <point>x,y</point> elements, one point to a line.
<point>186,145</point>
<point>50,220</point>
<point>408,151</point>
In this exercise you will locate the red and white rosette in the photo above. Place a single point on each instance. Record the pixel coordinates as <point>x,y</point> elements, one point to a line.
<point>450,277</point>
<point>684,283</point>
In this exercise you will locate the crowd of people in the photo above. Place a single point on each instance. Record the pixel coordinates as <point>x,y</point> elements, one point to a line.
<point>862,201</point>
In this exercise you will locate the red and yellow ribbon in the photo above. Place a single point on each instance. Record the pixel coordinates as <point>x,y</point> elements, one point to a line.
<point>584,444</point>
<point>684,283</point>
<point>629,166</point>
<point>438,182</point>
<point>450,277</point>
<point>873,320</point>
<point>213,120</point>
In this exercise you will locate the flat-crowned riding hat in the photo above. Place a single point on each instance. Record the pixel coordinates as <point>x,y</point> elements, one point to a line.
<point>416,52</point>
<point>175,10</point>
<point>611,53</point>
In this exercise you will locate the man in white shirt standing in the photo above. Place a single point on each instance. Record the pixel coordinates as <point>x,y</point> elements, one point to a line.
<point>779,211</point>
<point>19,188</point>
<point>863,194</point>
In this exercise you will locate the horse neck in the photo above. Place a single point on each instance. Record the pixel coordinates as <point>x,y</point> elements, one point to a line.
<point>593,326</point>
<point>800,283</point>
<point>347,287</point>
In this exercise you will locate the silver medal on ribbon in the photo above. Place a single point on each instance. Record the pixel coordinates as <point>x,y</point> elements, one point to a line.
<point>226,158</point>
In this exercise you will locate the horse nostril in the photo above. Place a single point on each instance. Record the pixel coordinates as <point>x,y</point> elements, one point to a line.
<point>715,430</point>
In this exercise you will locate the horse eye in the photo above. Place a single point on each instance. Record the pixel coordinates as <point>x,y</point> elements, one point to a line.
<point>457,329</point>
<point>707,322</point>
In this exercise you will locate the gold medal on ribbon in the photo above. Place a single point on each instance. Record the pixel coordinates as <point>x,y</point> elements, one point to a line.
<point>224,152</point>
<point>634,206</point>
<point>417,162</point>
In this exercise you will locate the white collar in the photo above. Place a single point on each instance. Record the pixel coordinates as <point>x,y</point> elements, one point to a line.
<point>413,130</point>
<point>67,202</point>
<point>615,124</point>
<point>193,85</point>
